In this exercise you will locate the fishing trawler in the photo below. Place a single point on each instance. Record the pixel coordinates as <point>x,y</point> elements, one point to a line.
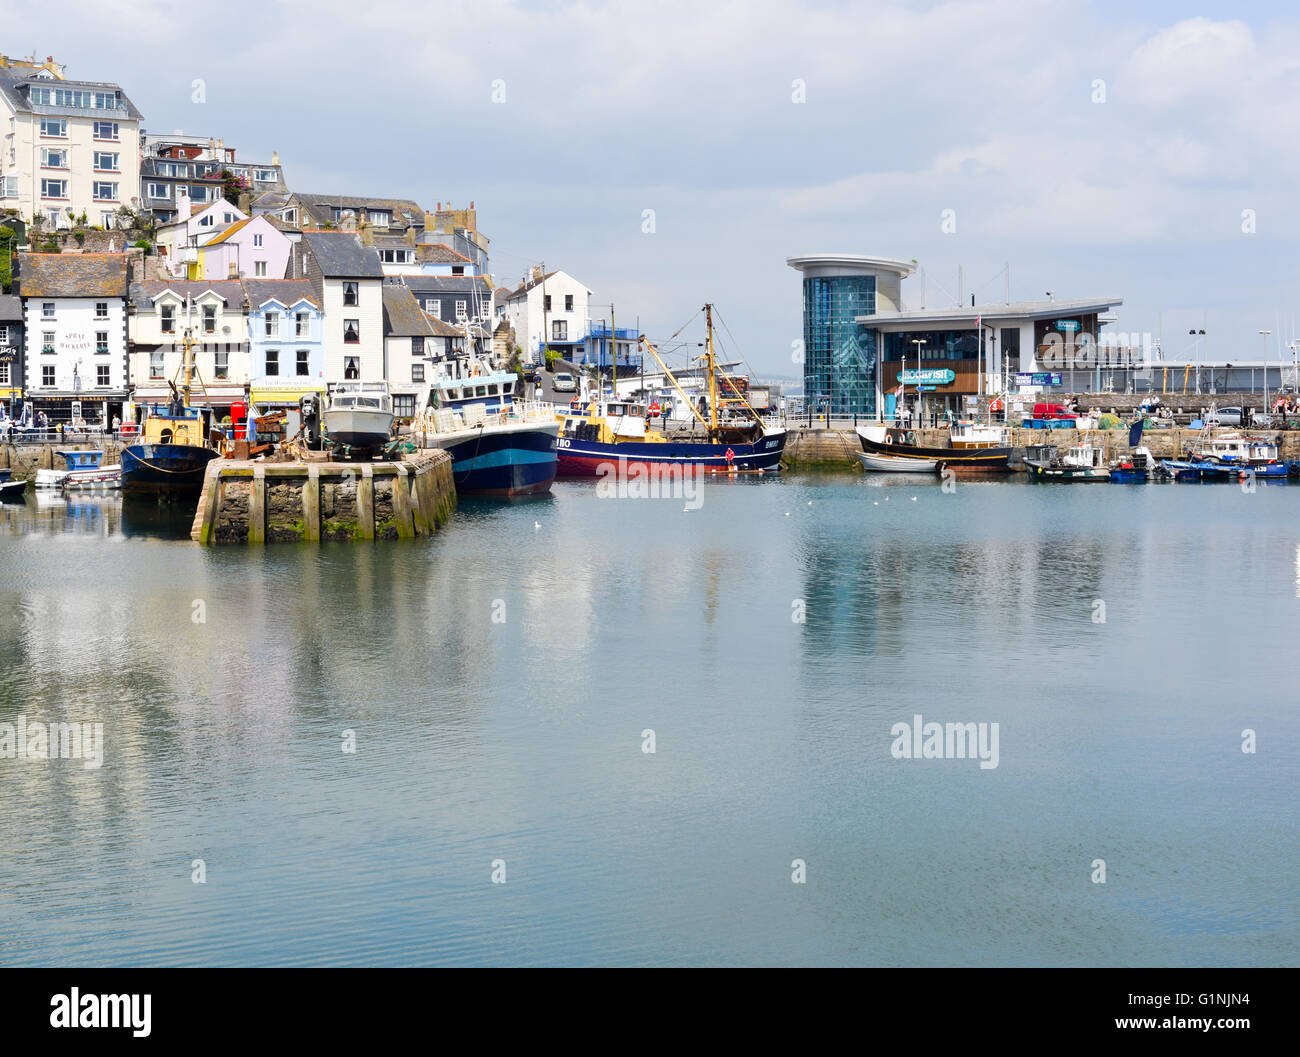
<point>172,453</point>
<point>499,445</point>
<point>605,434</point>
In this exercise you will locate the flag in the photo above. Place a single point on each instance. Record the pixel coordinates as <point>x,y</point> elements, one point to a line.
<point>1135,433</point>
<point>977,322</point>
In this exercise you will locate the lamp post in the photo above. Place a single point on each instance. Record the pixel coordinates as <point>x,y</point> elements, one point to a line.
<point>1264,334</point>
<point>1196,336</point>
<point>918,342</point>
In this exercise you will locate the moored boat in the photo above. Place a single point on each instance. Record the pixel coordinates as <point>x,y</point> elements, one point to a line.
<point>897,443</point>
<point>11,489</point>
<point>1082,462</point>
<point>1133,468</point>
<point>499,446</point>
<point>608,435</point>
<point>893,464</point>
<point>171,455</point>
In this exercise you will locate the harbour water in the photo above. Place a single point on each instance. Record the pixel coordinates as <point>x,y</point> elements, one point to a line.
<point>500,680</point>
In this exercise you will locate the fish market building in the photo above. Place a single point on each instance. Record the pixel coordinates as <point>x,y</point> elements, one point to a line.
<point>861,342</point>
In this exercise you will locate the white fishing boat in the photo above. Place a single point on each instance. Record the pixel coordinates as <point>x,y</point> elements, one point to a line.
<point>84,470</point>
<point>968,434</point>
<point>360,416</point>
<point>895,464</point>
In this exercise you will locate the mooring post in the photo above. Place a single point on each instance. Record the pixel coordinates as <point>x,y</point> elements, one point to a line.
<point>257,505</point>
<point>402,502</point>
<point>311,504</point>
<point>366,503</point>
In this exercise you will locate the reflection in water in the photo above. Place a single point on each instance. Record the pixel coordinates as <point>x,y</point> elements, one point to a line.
<point>498,679</point>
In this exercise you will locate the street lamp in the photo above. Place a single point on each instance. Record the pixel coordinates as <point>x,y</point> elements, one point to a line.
<point>1264,334</point>
<point>918,342</point>
<point>1197,339</point>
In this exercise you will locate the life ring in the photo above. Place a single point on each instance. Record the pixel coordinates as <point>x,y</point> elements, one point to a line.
<point>889,438</point>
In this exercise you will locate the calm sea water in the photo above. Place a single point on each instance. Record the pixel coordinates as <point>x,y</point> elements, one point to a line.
<point>499,679</point>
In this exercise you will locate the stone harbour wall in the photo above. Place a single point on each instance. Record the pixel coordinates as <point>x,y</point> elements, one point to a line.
<point>304,502</point>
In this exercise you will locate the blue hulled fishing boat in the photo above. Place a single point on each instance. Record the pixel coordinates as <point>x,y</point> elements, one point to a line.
<point>172,454</point>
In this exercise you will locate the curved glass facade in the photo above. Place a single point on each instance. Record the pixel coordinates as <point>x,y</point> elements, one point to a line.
<point>839,369</point>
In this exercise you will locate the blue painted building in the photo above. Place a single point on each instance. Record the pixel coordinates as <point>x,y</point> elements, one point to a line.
<point>286,342</point>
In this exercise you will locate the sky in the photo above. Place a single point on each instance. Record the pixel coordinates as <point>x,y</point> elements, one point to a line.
<point>672,153</point>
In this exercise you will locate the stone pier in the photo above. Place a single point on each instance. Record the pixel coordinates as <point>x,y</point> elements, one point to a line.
<point>291,502</point>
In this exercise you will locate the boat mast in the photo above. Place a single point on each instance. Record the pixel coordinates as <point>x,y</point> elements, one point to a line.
<point>713,380</point>
<point>187,366</point>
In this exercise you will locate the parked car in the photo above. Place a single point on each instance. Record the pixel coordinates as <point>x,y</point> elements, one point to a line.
<point>532,373</point>
<point>565,383</point>
<point>1224,416</point>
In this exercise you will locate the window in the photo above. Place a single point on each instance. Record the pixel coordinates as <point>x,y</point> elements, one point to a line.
<point>209,319</point>
<point>47,375</point>
<point>227,218</point>
<point>351,331</point>
<point>289,216</point>
<point>156,364</point>
<point>101,309</point>
<point>4,333</point>
<point>273,324</point>
<point>257,241</point>
<point>302,325</point>
<point>404,405</point>
<point>8,187</point>
<point>4,374</point>
<point>349,293</point>
<point>168,315</point>
<point>106,130</point>
<point>417,372</point>
<point>395,256</point>
<point>105,192</point>
<point>559,330</point>
<point>54,158</point>
<point>351,367</point>
<point>101,376</point>
<point>417,346</point>
<point>205,222</point>
<point>222,366</point>
<point>380,218</point>
<point>107,161</point>
<point>460,309</point>
<point>54,188</point>
<point>568,302</point>
<point>47,310</point>
<point>546,303</point>
<point>107,219</point>
<point>153,190</point>
<point>259,268</point>
<point>458,269</point>
<point>264,175</point>
<point>200,194</point>
<point>55,127</point>
<point>304,363</point>
<point>47,343</point>
<point>272,363</point>
<point>101,343</point>
<point>38,95</point>
<point>433,306</point>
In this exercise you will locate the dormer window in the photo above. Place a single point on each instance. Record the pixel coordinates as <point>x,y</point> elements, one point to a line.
<point>167,313</point>
<point>209,319</point>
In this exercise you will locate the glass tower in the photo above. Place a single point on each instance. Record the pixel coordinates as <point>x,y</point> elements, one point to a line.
<point>839,370</point>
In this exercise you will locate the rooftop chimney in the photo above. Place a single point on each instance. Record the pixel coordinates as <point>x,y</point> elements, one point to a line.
<point>275,157</point>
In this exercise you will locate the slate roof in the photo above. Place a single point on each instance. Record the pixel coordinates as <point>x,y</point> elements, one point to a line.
<point>524,287</point>
<point>402,316</point>
<point>143,293</point>
<point>72,274</point>
<point>448,284</point>
<point>440,254</point>
<point>321,207</point>
<point>287,291</point>
<point>441,329</point>
<point>11,79</point>
<point>11,308</point>
<point>340,255</point>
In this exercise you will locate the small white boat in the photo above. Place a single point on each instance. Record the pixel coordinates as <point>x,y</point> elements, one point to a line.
<point>83,468</point>
<point>896,463</point>
<point>360,415</point>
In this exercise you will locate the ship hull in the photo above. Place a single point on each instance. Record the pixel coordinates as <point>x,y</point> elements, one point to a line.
<point>969,460</point>
<point>360,428</point>
<point>501,461</point>
<point>164,469</point>
<point>590,458</point>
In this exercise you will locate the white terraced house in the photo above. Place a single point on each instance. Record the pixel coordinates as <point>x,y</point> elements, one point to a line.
<point>67,145</point>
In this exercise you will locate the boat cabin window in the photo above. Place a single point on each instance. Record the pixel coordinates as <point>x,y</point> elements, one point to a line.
<point>492,390</point>
<point>480,390</point>
<point>507,387</point>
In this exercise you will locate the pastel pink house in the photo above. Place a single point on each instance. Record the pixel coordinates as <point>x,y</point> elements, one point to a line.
<point>253,248</point>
